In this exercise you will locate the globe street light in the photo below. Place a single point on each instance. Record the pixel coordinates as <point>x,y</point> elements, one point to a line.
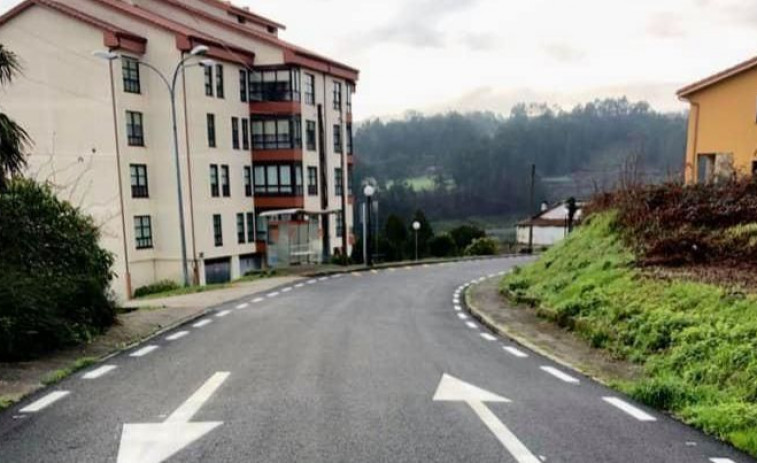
<point>416,227</point>
<point>199,50</point>
<point>369,190</point>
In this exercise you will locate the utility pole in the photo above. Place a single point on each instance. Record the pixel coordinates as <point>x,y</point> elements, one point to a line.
<point>531,212</point>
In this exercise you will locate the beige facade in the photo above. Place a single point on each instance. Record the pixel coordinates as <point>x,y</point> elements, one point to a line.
<point>78,109</point>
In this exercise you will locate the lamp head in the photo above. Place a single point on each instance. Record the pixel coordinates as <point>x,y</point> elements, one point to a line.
<point>369,190</point>
<point>416,225</point>
<point>207,63</point>
<point>199,50</point>
<point>106,55</point>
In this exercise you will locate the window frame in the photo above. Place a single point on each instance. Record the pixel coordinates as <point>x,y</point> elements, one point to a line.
<point>337,137</point>
<point>310,142</point>
<point>308,88</point>
<point>348,138</point>
<point>143,238</point>
<point>251,229</point>
<point>225,181</point>
<point>139,181</point>
<point>263,140</point>
<point>337,95</point>
<point>338,182</point>
<point>131,75</point>
<point>208,80</point>
<point>265,84</point>
<point>241,232</point>
<point>235,133</point>
<point>218,230</point>
<point>220,93</point>
<point>135,131</point>
<point>247,181</point>
<point>244,85</point>
<point>215,189</point>
<point>211,121</point>
<point>286,182</point>
<point>245,134</point>
<point>312,181</point>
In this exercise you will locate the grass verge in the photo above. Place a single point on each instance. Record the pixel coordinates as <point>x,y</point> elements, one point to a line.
<point>697,342</point>
<point>63,373</point>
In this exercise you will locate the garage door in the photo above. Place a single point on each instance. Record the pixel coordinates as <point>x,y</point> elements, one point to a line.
<point>218,271</point>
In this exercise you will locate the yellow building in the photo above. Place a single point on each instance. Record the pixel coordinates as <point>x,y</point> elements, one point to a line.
<point>722,135</point>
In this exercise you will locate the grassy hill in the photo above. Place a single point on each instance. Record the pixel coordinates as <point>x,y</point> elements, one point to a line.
<point>697,340</point>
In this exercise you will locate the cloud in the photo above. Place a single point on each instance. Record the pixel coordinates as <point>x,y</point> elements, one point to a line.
<point>564,53</point>
<point>666,25</point>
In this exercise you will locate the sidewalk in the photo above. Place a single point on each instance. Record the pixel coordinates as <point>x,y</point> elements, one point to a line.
<point>524,326</point>
<point>150,316</point>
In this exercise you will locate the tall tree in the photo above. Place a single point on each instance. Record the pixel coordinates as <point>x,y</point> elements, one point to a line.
<point>13,138</point>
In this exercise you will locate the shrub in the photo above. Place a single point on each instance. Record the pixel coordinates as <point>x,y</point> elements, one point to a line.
<point>156,288</point>
<point>465,234</point>
<point>442,246</point>
<point>54,277</point>
<point>482,247</point>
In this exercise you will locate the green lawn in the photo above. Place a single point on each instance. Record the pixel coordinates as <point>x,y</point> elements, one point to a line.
<point>697,342</point>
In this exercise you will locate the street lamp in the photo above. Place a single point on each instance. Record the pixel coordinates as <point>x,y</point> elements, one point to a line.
<point>369,190</point>
<point>416,227</point>
<point>199,50</point>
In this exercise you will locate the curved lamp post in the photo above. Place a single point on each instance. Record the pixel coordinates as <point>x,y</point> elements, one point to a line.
<point>199,50</point>
<point>368,191</point>
<point>416,227</point>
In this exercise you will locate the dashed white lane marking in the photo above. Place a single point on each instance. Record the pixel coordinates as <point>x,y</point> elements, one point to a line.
<point>202,323</point>
<point>97,372</point>
<point>374,271</point>
<point>287,289</point>
<point>242,306</point>
<point>491,275</point>
<point>273,294</point>
<point>257,299</point>
<point>560,375</point>
<point>176,336</point>
<point>635,412</point>
<point>223,313</point>
<point>458,307</point>
<point>515,352</point>
<point>462,316</point>
<point>356,274</point>
<point>45,401</point>
<point>338,275</point>
<point>143,351</point>
<point>392,269</point>
<point>488,337</point>
<point>312,282</point>
<point>721,460</point>
<point>299,285</point>
<point>456,300</point>
<point>472,325</point>
<point>323,278</point>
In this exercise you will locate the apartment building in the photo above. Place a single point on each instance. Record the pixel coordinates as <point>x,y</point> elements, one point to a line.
<point>264,133</point>
<point>722,132</point>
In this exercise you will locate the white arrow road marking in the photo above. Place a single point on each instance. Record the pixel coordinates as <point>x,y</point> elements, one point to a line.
<point>97,372</point>
<point>560,375</point>
<point>143,351</point>
<point>635,412</point>
<point>45,401</point>
<point>516,352</point>
<point>452,389</point>
<point>157,442</point>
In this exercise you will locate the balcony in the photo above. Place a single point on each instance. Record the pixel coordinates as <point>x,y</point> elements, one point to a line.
<point>275,91</point>
<point>279,202</point>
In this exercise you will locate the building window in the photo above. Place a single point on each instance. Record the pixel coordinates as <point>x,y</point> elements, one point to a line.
<point>276,133</point>
<point>309,89</point>
<point>217,230</point>
<point>212,130</point>
<point>246,134</point>
<point>338,182</point>
<point>243,88</point>
<point>250,227</point>
<point>350,91</point>
<point>219,81</point>
<point>209,80</point>
<point>278,180</point>
<point>214,190</point>
<point>310,135</point>
<point>139,181</point>
<point>275,85</point>
<point>261,229</point>
<point>349,138</point>
<point>337,96</point>
<point>248,181</point>
<point>350,177</point>
<point>337,138</point>
<point>241,235</point>
<point>339,225</point>
<point>235,133</point>
<point>130,71</point>
<point>225,187</point>
<point>312,181</point>
<point>143,231</point>
<point>135,135</point>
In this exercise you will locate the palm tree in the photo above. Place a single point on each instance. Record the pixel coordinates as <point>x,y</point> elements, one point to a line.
<point>13,138</point>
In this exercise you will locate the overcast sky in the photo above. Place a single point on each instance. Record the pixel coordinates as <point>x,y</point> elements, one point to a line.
<point>436,55</point>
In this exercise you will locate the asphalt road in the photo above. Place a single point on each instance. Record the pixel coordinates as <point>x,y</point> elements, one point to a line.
<point>343,370</point>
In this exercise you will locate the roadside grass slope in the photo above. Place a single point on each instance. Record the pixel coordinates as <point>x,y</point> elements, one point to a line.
<point>696,341</point>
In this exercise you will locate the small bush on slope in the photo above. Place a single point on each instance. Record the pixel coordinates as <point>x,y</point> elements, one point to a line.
<point>698,342</point>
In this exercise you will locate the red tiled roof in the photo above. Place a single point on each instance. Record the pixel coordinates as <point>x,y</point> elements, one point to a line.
<point>231,8</point>
<point>719,77</point>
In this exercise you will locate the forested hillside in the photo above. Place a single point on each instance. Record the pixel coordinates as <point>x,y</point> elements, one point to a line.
<point>455,166</point>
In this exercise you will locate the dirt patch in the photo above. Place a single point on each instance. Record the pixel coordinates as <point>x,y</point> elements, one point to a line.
<point>524,326</point>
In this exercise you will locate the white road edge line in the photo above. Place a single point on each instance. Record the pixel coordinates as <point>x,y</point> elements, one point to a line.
<point>299,285</point>
<point>560,375</point>
<point>462,316</point>
<point>176,336</point>
<point>242,306</point>
<point>97,372</point>
<point>472,325</point>
<point>488,337</point>
<point>257,299</point>
<point>143,351</point>
<point>223,313</point>
<point>515,352</point>
<point>287,289</point>
<point>323,278</point>
<point>458,307</point>
<point>635,412</point>
<point>721,460</point>
<point>312,282</point>
<point>202,323</point>
<point>273,294</point>
<point>45,401</point>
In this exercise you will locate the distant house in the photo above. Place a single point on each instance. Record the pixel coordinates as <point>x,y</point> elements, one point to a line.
<point>722,135</point>
<point>550,225</point>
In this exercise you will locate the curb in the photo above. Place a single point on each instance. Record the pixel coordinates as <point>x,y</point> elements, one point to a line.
<point>503,331</point>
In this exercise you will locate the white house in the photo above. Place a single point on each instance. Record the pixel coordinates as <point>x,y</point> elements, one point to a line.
<point>550,225</point>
